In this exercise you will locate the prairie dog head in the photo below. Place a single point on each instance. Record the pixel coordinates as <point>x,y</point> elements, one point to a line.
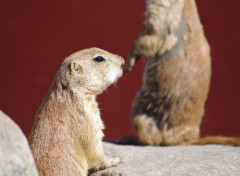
<point>90,70</point>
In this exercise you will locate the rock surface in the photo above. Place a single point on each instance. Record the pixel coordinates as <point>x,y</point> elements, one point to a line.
<point>209,160</point>
<point>15,156</point>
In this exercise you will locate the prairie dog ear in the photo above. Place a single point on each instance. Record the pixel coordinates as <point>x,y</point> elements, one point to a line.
<point>75,68</point>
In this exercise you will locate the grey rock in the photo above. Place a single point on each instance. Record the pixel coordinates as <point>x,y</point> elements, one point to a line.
<point>15,155</point>
<point>209,160</point>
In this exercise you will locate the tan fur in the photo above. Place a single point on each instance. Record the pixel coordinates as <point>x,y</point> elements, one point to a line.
<point>169,107</point>
<point>66,139</point>
<point>234,141</point>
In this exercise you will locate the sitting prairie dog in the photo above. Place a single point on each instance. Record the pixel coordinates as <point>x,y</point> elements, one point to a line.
<point>66,139</point>
<point>168,109</point>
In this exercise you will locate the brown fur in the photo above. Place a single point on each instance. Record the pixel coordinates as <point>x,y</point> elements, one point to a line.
<point>169,107</point>
<point>66,139</point>
<point>233,141</point>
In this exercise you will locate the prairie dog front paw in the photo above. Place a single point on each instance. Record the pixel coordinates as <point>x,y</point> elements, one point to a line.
<point>111,162</point>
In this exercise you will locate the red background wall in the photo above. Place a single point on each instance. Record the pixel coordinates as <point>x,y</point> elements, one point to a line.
<point>37,35</point>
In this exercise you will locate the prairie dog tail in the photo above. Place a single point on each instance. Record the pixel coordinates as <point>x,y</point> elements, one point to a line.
<point>221,140</point>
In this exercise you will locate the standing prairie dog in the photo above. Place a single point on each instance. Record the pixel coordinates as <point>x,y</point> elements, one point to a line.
<point>168,109</point>
<point>66,139</point>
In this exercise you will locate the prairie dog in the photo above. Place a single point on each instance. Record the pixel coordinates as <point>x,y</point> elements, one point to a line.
<point>66,139</point>
<point>168,109</point>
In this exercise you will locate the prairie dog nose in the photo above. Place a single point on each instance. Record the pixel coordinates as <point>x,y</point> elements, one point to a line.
<point>122,62</point>
<point>122,66</point>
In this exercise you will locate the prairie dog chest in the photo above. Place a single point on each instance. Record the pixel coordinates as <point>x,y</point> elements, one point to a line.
<point>92,113</point>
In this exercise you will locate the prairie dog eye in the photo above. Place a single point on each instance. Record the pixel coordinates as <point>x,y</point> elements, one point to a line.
<point>99,59</point>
